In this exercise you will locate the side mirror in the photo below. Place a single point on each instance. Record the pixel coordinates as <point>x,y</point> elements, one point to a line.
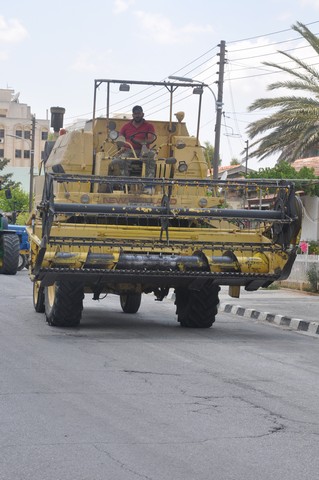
<point>8,194</point>
<point>111,125</point>
<point>172,128</point>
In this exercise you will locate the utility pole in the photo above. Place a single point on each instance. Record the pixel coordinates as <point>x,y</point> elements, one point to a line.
<point>32,163</point>
<point>219,108</point>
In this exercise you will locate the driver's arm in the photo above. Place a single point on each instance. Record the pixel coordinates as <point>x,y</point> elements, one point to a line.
<point>150,129</point>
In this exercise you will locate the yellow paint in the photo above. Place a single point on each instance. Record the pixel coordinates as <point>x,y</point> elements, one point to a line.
<point>214,238</point>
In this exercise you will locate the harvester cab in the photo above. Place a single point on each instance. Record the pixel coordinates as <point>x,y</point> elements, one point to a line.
<point>113,218</point>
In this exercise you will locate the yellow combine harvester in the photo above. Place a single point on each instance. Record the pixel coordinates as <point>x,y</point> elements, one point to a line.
<point>150,221</point>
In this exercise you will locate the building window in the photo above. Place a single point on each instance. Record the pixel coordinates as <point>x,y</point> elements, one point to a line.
<point>18,154</point>
<point>1,132</point>
<point>19,133</point>
<point>1,153</point>
<point>26,154</point>
<point>27,134</point>
<point>44,135</point>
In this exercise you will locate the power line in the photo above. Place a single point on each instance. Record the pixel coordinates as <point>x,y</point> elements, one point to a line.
<point>247,67</point>
<point>271,53</point>
<point>264,74</point>
<point>149,98</point>
<point>266,45</point>
<point>268,34</point>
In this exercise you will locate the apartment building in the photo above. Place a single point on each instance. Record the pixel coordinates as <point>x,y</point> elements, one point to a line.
<point>16,133</point>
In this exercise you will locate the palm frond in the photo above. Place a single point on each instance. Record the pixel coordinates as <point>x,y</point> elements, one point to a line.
<point>292,128</point>
<point>311,38</point>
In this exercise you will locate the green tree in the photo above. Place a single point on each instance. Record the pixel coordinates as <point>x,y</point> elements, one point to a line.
<point>16,202</point>
<point>292,130</point>
<point>304,180</point>
<point>234,161</point>
<point>209,154</point>
<point>6,179</point>
<point>19,203</point>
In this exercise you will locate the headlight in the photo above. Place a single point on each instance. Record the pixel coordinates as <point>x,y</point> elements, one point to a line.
<point>113,135</point>
<point>85,198</point>
<point>202,202</point>
<point>182,166</point>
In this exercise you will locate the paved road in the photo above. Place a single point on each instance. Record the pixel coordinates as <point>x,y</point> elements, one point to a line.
<point>136,397</point>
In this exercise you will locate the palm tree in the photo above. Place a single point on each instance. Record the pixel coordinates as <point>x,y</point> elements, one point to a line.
<point>293,129</point>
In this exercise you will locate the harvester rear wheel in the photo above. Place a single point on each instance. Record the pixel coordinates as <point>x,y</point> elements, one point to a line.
<point>64,304</point>
<point>22,262</point>
<point>197,309</point>
<point>10,256</point>
<point>130,302</point>
<point>38,297</point>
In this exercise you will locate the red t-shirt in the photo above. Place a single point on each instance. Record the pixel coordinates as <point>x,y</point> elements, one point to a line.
<point>129,129</point>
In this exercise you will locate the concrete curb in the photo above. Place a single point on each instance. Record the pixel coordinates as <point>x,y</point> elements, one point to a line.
<point>280,320</point>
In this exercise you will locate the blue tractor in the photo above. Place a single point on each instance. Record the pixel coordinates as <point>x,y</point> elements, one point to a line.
<point>9,248</point>
<point>24,247</point>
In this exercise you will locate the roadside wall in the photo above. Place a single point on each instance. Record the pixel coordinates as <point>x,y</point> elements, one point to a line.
<point>298,278</point>
<point>310,220</point>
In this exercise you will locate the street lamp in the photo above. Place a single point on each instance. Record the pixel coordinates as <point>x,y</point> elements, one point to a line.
<point>218,109</point>
<point>32,164</point>
<point>181,79</point>
<point>191,80</point>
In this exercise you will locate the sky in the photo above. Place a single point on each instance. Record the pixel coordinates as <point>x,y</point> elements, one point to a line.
<point>51,53</point>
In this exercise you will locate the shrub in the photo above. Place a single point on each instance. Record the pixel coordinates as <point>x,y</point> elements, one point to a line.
<point>313,248</point>
<point>313,277</point>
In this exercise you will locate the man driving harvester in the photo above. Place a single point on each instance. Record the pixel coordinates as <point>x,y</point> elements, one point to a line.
<point>138,131</point>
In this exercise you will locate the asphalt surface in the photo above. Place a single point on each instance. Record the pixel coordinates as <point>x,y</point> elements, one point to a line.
<point>288,308</point>
<point>136,397</point>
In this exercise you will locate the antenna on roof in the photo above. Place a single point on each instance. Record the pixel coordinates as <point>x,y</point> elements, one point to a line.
<point>15,98</point>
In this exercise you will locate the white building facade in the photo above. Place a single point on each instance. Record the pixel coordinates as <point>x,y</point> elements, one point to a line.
<point>16,135</point>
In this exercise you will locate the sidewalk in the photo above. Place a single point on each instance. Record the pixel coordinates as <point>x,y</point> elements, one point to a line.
<point>291,308</point>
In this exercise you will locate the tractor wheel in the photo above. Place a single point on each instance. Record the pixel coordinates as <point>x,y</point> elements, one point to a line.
<point>22,262</point>
<point>197,309</point>
<point>130,302</point>
<point>64,304</point>
<point>10,257</point>
<point>38,297</point>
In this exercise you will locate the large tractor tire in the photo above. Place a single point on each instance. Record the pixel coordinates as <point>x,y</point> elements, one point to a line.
<point>38,297</point>
<point>130,302</point>
<point>64,304</point>
<point>10,256</point>
<point>197,309</point>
